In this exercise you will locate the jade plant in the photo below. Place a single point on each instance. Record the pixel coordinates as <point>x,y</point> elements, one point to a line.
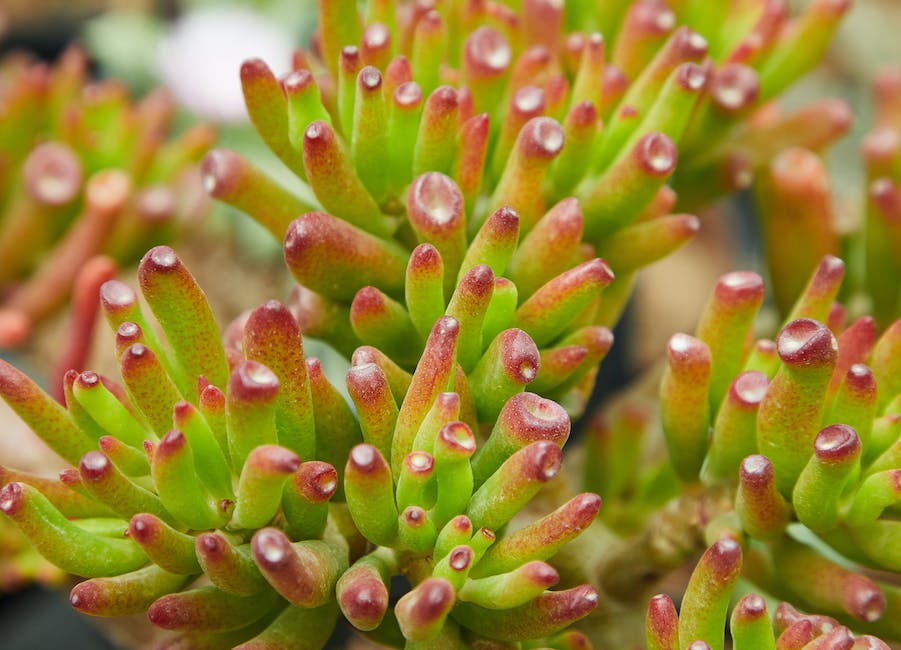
<point>470,178</point>
<point>241,463</point>
<point>415,124</point>
<point>788,449</point>
<point>705,609</point>
<point>86,171</point>
<point>797,203</point>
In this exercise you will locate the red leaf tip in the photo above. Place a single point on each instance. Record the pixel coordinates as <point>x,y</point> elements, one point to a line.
<point>837,442</point>
<point>806,342</point>
<point>12,497</point>
<point>656,154</point>
<point>460,558</point>
<point>94,466</point>
<point>487,51</point>
<point>365,458</point>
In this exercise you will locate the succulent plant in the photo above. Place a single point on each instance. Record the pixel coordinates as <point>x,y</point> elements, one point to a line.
<point>470,179</point>
<point>244,465</point>
<point>699,624</point>
<point>85,172</point>
<point>797,203</point>
<point>785,448</point>
<point>415,124</point>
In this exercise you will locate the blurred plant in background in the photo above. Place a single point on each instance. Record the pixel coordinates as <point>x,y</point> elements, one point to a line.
<point>797,203</point>
<point>86,172</point>
<point>21,564</point>
<point>195,55</point>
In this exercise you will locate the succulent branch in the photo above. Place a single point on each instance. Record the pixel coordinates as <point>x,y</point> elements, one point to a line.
<point>794,465</point>
<point>520,140</point>
<point>250,480</point>
<point>797,193</point>
<point>86,171</point>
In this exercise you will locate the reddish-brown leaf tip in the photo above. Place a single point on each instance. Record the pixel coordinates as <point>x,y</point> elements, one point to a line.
<point>836,443</point>
<point>12,498</point>
<point>806,342</point>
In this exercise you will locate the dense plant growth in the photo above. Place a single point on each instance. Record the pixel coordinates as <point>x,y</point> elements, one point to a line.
<point>478,186</point>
